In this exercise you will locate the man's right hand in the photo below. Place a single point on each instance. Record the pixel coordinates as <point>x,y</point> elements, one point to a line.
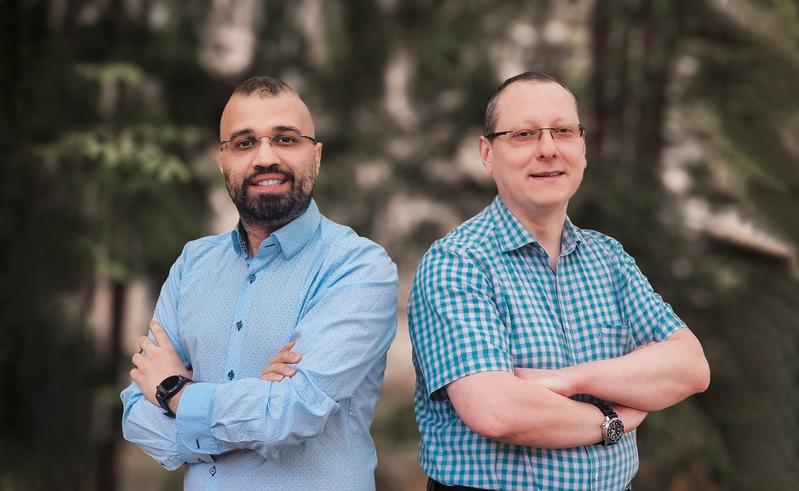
<point>280,366</point>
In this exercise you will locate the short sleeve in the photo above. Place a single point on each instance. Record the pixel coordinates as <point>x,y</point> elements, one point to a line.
<point>455,327</point>
<point>649,317</point>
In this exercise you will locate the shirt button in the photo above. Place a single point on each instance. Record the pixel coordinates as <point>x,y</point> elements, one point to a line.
<point>212,470</point>
<point>239,324</point>
<point>251,278</point>
<point>230,375</point>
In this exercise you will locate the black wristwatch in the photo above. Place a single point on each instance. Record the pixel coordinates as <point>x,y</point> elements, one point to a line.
<point>167,389</point>
<point>612,427</point>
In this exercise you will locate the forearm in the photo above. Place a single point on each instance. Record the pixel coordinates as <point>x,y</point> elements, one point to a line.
<point>651,378</point>
<point>502,407</point>
<point>146,426</point>
<point>251,414</point>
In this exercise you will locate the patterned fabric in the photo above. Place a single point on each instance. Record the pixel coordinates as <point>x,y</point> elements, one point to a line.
<point>485,299</point>
<point>228,314</point>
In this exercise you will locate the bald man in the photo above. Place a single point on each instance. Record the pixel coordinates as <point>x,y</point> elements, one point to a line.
<point>215,386</point>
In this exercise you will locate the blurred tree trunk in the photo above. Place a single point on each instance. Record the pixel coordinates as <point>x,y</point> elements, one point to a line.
<point>635,45</point>
<point>107,447</point>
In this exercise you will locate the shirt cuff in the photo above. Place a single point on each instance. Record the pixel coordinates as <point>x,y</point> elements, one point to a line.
<point>194,420</point>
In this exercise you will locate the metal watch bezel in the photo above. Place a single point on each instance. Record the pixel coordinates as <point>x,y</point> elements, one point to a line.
<point>612,430</point>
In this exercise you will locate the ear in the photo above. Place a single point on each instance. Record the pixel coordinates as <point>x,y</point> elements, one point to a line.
<point>318,156</point>
<point>219,161</point>
<point>487,155</point>
<point>585,147</point>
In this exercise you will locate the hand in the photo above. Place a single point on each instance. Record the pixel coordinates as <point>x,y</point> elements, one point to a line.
<point>155,362</point>
<point>279,366</point>
<point>555,380</point>
<point>631,417</point>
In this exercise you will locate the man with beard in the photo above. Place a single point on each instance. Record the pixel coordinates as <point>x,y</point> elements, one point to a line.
<point>286,276</point>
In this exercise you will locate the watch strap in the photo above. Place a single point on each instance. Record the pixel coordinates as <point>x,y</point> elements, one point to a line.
<point>167,389</point>
<point>606,410</point>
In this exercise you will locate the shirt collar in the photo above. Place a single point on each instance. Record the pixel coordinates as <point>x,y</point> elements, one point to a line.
<point>291,238</point>
<point>572,235</point>
<point>512,234</point>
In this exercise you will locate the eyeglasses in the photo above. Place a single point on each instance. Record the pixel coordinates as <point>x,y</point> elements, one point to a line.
<point>245,144</point>
<point>561,133</point>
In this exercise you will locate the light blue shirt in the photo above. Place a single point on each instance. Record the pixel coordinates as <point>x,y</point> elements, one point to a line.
<point>486,299</point>
<point>228,314</point>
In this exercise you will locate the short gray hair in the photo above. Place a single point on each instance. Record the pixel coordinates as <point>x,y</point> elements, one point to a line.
<point>490,121</point>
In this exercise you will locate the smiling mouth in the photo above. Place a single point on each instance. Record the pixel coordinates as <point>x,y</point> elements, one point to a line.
<point>548,174</point>
<point>269,182</point>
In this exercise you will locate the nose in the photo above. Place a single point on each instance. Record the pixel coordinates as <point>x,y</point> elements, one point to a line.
<point>265,155</point>
<point>546,149</point>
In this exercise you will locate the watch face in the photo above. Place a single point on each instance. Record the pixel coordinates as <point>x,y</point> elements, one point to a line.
<point>168,384</point>
<point>614,430</point>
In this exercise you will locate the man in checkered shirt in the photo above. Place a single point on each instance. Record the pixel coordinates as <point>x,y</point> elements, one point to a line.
<point>539,347</point>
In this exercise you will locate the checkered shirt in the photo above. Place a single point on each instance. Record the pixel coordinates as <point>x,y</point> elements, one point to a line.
<point>485,299</point>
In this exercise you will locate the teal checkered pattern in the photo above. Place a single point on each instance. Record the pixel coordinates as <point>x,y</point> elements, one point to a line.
<point>485,299</point>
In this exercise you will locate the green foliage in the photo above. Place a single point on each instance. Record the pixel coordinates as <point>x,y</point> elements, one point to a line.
<point>92,193</point>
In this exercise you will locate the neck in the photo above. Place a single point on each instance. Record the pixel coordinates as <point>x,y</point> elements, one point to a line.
<point>547,227</point>
<point>255,235</point>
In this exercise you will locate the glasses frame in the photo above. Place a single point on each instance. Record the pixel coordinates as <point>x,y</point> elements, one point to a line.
<point>540,131</point>
<point>271,138</point>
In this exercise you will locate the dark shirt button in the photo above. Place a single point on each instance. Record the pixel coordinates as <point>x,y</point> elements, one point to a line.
<point>230,375</point>
<point>251,278</point>
<point>212,470</point>
<point>238,325</point>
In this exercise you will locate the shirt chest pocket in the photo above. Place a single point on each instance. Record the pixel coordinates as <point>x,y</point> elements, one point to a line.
<point>601,341</point>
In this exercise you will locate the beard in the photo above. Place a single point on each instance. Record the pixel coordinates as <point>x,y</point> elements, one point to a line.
<point>271,211</point>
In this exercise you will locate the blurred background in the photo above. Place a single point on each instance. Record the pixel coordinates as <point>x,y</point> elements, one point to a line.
<point>109,116</point>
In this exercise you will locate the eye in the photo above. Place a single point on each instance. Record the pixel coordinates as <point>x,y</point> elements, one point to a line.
<point>243,143</point>
<point>565,132</point>
<point>523,135</point>
<point>285,140</point>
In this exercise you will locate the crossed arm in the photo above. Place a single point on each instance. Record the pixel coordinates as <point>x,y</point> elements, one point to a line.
<point>256,413</point>
<point>650,378</point>
<point>533,407</point>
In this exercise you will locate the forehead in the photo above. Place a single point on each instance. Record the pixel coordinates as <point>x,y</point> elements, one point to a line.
<point>539,103</point>
<point>262,114</point>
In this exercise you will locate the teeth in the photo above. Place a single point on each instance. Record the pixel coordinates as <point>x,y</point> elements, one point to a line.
<point>547,174</point>
<point>269,182</point>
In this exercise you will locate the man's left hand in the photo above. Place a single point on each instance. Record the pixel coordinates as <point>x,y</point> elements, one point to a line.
<point>155,361</point>
<point>555,380</point>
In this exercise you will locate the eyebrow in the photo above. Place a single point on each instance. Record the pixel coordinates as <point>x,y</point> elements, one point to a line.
<point>286,128</point>
<point>250,131</point>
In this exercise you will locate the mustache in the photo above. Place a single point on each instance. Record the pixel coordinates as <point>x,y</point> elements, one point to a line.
<point>272,169</point>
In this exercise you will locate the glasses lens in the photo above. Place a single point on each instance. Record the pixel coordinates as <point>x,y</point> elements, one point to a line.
<point>286,140</point>
<point>524,136</point>
<point>243,143</point>
<point>565,132</point>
